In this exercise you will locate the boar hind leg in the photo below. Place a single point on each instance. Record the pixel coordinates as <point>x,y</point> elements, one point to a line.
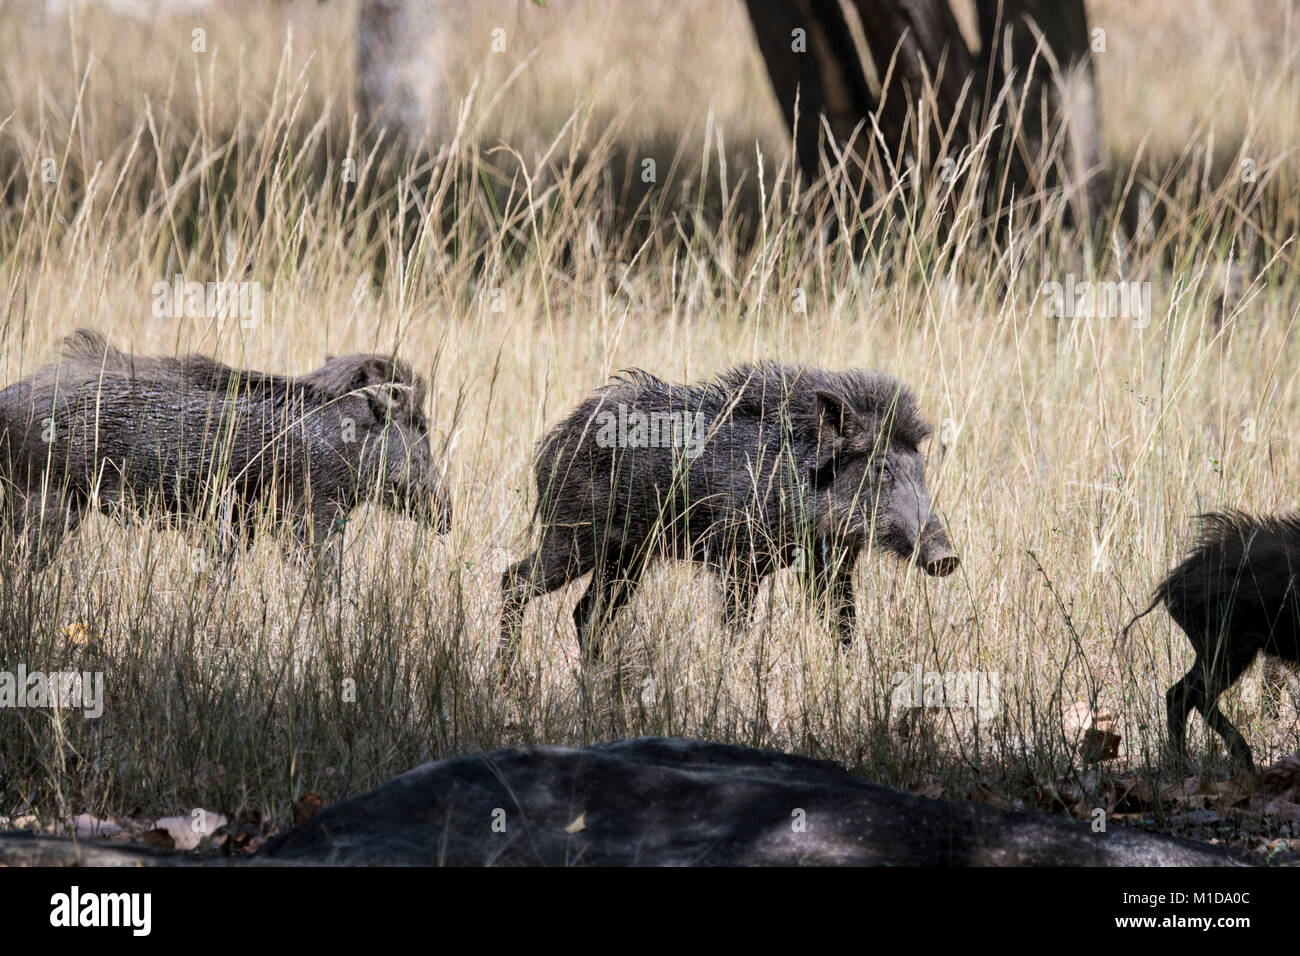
<point>1239,659</point>
<point>317,545</point>
<point>38,526</point>
<point>1200,689</point>
<point>612,584</point>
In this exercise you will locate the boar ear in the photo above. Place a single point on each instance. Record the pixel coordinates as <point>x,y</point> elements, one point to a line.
<point>834,413</point>
<point>390,399</point>
<point>380,381</point>
<point>832,430</point>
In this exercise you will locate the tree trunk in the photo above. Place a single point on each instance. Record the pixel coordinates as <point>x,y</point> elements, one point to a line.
<point>924,62</point>
<point>936,93</point>
<point>815,72</point>
<point>1058,74</point>
<point>394,82</point>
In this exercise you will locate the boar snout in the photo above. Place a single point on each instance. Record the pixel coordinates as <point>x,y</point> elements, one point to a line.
<point>937,556</point>
<point>439,514</point>
<point>942,565</point>
<point>914,530</point>
<point>411,482</point>
<point>428,503</point>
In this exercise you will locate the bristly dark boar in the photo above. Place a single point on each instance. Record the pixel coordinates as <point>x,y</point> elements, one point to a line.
<point>100,428</point>
<point>765,467</point>
<point>1237,593</point>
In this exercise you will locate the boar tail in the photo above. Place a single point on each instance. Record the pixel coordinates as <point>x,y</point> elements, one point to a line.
<point>1123,634</point>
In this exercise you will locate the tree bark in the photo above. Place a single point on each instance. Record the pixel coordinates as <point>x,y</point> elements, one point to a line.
<point>814,73</point>
<point>1059,75</point>
<point>936,92</point>
<point>924,62</point>
<point>395,86</point>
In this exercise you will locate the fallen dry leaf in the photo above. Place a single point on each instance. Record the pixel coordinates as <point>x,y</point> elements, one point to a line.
<point>1221,794</point>
<point>1283,810</point>
<point>1050,797</point>
<point>578,825</point>
<point>1282,779</point>
<point>982,794</point>
<point>306,807</point>
<point>1136,796</point>
<point>83,825</point>
<point>1077,718</point>
<point>239,837</point>
<point>187,832</point>
<point>1100,745</point>
<point>1100,741</point>
<point>1181,794</point>
<point>159,838</point>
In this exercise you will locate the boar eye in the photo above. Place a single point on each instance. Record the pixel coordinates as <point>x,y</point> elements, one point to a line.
<point>882,468</point>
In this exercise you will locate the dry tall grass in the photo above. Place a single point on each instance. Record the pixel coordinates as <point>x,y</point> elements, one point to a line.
<point>523,263</point>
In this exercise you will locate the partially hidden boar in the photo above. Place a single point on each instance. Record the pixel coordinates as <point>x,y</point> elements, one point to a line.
<point>765,467</point>
<point>1234,595</point>
<point>102,429</point>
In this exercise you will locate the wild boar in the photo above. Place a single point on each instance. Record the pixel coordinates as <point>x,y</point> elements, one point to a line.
<point>102,429</point>
<point>765,467</point>
<point>1234,595</point>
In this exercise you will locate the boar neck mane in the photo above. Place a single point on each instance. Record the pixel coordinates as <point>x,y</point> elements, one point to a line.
<point>767,391</point>
<point>882,401</point>
<point>87,358</point>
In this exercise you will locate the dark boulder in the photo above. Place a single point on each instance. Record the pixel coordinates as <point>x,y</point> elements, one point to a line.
<point>665,801</point>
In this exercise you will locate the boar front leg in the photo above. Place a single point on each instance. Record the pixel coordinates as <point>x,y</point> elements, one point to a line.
<point>828,574</point>
<point>558,561</point>
<point>739,586</point>
<point>318,543</point>
<point>612,584</point>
